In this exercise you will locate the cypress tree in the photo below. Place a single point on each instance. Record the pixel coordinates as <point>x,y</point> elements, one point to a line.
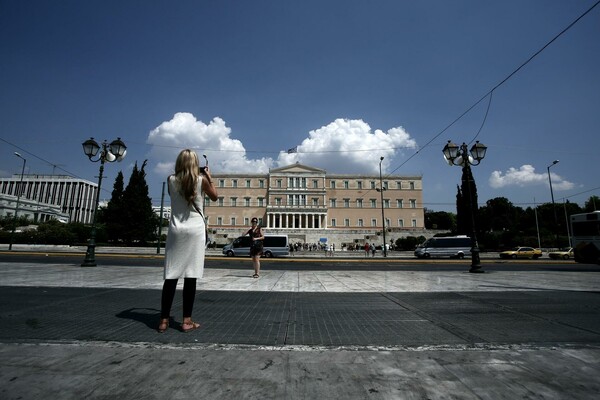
<point>469,201</point>
<point>139,219</point>
<point>114,213</point>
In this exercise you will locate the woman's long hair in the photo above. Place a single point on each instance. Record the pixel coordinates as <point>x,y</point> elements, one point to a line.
<point>187,171</point>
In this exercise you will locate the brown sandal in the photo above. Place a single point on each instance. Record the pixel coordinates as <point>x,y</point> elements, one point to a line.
<point>163,325</point>
<point>192,326</point>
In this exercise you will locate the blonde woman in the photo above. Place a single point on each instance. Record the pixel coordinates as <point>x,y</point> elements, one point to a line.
<point>184,251</point>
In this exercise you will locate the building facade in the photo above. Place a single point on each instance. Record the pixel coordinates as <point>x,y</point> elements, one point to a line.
<point>310,205</point>
<point>60,195</point>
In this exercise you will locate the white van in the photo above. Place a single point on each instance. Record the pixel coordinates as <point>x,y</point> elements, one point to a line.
<point>273,246</point>
<point>451,246</point>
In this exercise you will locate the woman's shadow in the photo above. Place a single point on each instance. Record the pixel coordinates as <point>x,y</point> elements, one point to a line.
<point>148,316</point>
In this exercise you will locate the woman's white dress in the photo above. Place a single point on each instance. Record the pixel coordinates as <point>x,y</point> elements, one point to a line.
<point>184,250</point>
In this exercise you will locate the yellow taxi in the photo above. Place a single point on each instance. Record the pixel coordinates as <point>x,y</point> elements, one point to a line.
<point>562,254</point>
<point>522,252</point>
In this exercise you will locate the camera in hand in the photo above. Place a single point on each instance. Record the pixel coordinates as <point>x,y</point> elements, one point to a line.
<point>202,170</point>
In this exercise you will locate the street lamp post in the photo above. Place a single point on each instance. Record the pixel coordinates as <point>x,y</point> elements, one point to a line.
<point>12,233</point>
<point>459,156</point>
<point>553,205</point>
<point>115,151</point>
<point>380,190</point>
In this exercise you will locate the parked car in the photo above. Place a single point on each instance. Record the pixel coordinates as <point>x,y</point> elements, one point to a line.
<point>522,252</point>
<point>273,246</point>
<point>563,254</point>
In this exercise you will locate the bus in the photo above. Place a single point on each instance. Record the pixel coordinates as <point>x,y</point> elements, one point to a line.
<point>449,246</point>
<point>585,238</point>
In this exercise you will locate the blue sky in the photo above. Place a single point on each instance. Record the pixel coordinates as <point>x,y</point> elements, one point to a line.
<point>344,81</point>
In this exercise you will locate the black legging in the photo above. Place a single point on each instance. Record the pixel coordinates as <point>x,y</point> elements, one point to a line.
<point>168,293</point>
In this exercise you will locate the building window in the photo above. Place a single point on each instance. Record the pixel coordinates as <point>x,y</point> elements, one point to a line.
<point>246,221</point>
<point>220,201</point>
<point>400,203</point>
<point>315,201</point>
<point>234,183</point>
<point>346,222</point>
<point>360,222</point>
<point>332,203</point>
<point>388,223</point>
<point>219,220</point>
<point>412,185</point>
<point>359,185</point>
<point>386,203</point>
<point>247,202</point>
<point>332,184</point>
<point>278,183</point>
<point>413,203</point>
<point>346,203</point>
<point>373,203</point>
<point>261,183</point>
<point>399,184</point>
<point>385,185</point>
<point>359,203</point>
<point>232,221</point>
<point>206,201</point>
<point>277,201</point>
<point>315,184</point>
<point>261,202</point>
<point>333,222</point>
<point>401,223</point>
<point>233,201</point>
<point>374,222</point>
<point>346,185</point>
<point>221,182</point>
<point>414,223</point>
<point>248,183</point>
<point>372,184</point>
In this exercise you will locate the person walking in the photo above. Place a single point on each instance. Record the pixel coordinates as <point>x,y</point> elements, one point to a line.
<point>186,240</point>
<point>257,245</point>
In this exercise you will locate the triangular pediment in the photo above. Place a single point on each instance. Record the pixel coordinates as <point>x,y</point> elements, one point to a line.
<point>297,168</point>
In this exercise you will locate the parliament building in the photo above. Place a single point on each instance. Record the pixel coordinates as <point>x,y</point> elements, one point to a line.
<point>310,205</point>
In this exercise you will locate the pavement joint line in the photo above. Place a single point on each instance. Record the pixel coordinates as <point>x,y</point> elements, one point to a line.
<point>531,315</point>
<point>450,328</point>
<point>312,258</point>
<point>101,291</point>
<point>306,348</point>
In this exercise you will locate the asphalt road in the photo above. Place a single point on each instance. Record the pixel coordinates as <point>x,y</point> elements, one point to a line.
<point>309,263</point>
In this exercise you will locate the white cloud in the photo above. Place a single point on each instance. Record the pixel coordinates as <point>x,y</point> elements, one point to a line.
<point>343,146</point>
<point>185,131</point>
<point>526,176</point>
<point>348,146</point>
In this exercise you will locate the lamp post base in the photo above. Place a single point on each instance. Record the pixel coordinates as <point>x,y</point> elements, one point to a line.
<point>476,269</point>
<point>475,261</point>
<point>90,256</point>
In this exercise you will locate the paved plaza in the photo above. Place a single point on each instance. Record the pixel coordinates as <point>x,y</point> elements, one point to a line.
<point>70,332</point>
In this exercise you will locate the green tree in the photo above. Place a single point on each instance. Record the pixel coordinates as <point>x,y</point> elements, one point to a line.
<point>54,232</point>
<point>140,221</point>
<point>114,214</point>
<point>498,214</point>
<point>440,220</point>
<point>591,204</point>
<point>466,203</point>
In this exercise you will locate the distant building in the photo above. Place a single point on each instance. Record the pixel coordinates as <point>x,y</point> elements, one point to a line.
<point>311,205</point>
<point>44,196</point>
<point>33,210</point>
